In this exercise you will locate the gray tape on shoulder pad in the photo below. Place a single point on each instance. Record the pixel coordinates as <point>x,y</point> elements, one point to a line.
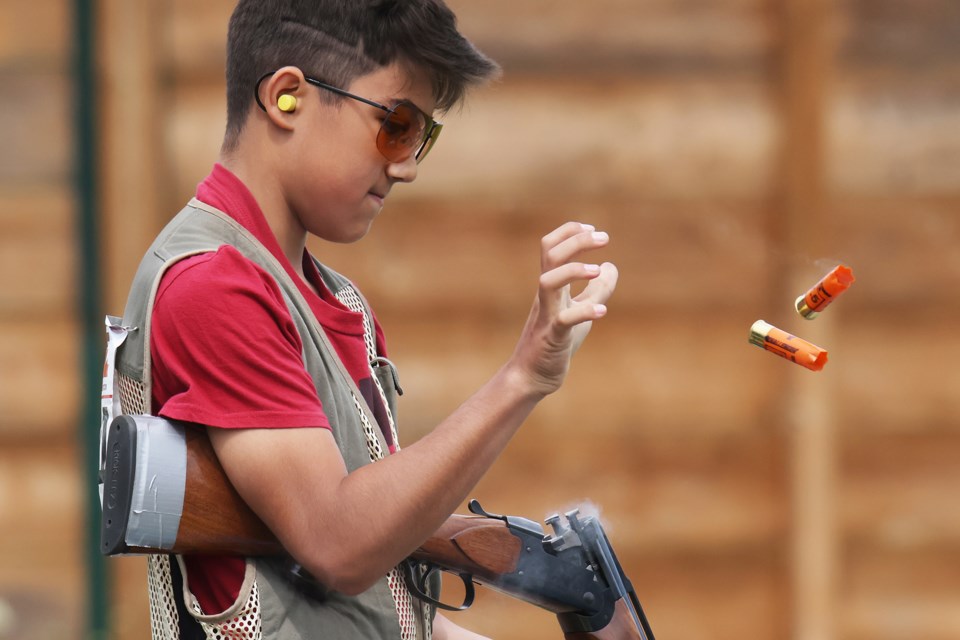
<point>159,483</point>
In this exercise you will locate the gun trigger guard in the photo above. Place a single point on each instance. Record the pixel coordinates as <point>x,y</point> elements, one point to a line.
<point>418,585</point>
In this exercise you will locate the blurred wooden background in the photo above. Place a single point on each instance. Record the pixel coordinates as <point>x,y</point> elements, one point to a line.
<point>735,150</point>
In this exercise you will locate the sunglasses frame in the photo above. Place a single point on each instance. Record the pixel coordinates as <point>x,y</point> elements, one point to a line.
<point>431,131</point>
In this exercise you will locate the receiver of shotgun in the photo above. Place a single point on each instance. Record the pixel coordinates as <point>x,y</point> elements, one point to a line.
<point>164,491</point>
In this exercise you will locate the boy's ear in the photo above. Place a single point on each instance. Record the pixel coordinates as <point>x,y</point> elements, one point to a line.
<point>280,95</point>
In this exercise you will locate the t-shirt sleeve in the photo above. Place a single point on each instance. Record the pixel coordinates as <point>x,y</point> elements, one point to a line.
<point>225,351</point>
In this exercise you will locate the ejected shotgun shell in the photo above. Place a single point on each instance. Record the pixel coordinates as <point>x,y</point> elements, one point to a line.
<point>785,345</point>
<point>823,293</point>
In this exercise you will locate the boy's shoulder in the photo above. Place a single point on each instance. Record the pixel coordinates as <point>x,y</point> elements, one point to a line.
<point>216,278</point>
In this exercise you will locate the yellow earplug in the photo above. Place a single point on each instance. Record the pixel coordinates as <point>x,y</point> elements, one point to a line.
<point>287,103</point>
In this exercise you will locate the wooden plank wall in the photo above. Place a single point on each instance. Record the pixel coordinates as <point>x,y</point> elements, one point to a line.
<point>735,150</point>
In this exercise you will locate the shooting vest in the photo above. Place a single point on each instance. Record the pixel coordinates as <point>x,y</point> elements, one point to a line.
<point>269,606</point>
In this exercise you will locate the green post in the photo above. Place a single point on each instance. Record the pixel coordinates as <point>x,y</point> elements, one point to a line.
<point>90,309</point>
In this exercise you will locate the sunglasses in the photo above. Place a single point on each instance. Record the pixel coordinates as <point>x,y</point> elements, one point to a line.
<point>405,130</point>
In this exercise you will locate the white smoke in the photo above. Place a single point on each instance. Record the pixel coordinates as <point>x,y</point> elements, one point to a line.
<point>587,509</point>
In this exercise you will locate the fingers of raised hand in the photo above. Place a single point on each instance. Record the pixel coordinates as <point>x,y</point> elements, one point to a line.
<point>567,274</point>
<point>568,241</point>
<point>601,287</point>
<point>579,313</point>
<point>586,306</point>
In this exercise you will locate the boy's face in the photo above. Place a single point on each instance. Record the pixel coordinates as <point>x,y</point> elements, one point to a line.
<point>335,178</point>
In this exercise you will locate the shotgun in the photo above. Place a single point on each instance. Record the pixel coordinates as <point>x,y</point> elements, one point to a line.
<point>164,491</point>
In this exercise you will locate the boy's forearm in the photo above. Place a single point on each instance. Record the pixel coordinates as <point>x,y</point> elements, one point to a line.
<point>350,529</point>
<point>420,486</point>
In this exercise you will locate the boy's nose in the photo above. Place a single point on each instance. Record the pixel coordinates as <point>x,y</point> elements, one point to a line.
<point>405,171</point>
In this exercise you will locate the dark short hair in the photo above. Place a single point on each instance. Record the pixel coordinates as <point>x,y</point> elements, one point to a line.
<point>340,40</point>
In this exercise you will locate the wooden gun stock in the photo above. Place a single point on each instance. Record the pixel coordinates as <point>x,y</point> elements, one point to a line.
<point>214,519</point>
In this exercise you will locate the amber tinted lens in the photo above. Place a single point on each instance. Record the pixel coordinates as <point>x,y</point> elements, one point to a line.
<point>401,132</point>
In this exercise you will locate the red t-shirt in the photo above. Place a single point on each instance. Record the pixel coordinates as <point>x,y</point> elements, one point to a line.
<point>226,353</point>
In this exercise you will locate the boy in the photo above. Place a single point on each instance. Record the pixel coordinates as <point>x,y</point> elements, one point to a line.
<point>279,359</point>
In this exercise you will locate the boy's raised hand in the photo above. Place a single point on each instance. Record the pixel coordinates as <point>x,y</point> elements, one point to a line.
<point>559,322</point>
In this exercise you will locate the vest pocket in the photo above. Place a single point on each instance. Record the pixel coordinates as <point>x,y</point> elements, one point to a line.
<point>241,620</point>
